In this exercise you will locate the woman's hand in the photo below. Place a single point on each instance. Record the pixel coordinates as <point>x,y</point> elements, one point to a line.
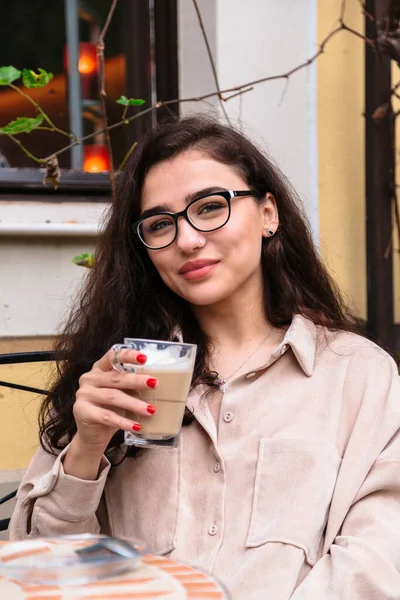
<point>103,399</point>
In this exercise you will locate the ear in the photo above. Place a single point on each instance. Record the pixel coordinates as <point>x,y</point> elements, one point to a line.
<point>270,216</point>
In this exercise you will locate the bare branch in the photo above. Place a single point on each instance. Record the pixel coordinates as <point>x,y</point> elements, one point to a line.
<point>110,127</point>
<point>366,13</point>
<point>233,91</point>
<point>103,95</point>
<point>396,212</point>
<point>250,89</point>
<point>285,89</point>
<point>20,144</point>
<point>360,35</point>
<point>127,155</point>
<point>342,11</point>
<point>39,109</point>
<point>108,21</point>
<point>210,56</point>
<point>304,64</point>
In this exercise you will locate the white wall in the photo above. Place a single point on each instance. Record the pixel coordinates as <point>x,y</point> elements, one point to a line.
<point>37,278</point>
<point>252,40</point>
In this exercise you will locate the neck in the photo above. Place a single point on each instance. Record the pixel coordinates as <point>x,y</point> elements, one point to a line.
<point>235,322</point>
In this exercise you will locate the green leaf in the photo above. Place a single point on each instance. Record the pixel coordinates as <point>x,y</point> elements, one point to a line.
<point>130,101</point>
<point>30,79</point>
<point>22,125</point>
<point>84,260</point>
<point>8,75</point>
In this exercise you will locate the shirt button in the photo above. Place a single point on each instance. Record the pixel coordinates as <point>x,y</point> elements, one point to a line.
<point>228,417</point>
<point>217,467</point>
<point>250,375</point>
<point>213,530</point>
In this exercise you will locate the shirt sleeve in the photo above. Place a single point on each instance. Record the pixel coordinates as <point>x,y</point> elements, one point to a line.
<point>50,502</point>
<point>363,561</point>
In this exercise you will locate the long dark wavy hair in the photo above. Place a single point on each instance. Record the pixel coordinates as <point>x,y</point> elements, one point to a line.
<point>123,295</point>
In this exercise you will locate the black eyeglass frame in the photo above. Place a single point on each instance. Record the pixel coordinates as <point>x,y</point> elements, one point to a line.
<point>228,195</point>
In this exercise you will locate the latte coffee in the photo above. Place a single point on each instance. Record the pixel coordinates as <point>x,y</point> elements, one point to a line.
<point>169,398</point>
<point>172,364</point>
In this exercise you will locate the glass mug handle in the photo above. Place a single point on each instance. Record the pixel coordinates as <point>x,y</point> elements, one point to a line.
<point>129,438</point>
<point>115,362</point>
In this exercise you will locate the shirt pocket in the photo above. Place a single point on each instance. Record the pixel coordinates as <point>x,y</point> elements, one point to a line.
<point>295,479</point>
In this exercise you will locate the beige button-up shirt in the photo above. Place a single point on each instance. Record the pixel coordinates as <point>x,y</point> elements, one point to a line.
<point>295,494</point>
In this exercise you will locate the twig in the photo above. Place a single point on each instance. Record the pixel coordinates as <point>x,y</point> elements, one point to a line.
<point>92,135</point>
<point>44,115</point>
<point>14,139</point>
<point>388,248</point>
<point>234,91</point>
<point>342,11</point>
<point>250,89</point>
<point>127,155</point>
<point>366,13</point>
<point>285,89</point>
<point>170,112</point>
<point>108,21</point>
<point>210,56</point>
<point>103,95</point>
<point>360,35</point>
<point>396,212</point>
<point>238,89</point>
<point>289,73</point>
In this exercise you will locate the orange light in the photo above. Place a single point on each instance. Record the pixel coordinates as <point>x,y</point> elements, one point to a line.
<point>87,63</point>
<point>95,158</point>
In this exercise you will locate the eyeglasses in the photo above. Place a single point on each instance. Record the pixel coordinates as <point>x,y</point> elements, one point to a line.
<point>208,213</point>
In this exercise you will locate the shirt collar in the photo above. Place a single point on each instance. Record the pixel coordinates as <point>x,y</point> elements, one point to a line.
<point>301,337</point>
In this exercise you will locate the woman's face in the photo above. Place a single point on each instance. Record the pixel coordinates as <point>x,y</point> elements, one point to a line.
<point>232,254</point>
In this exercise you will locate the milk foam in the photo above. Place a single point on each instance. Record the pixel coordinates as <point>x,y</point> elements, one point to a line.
<point>166,358</point>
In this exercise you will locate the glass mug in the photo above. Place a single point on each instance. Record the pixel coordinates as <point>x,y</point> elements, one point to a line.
<point>172,363</point>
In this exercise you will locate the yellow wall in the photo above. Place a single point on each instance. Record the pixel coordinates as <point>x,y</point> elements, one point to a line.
<point>340,72</point>
<point>18,431</point>
<point>341,149</point>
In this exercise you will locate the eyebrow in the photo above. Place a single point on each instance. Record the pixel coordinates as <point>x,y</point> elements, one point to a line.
<point>160,208</point>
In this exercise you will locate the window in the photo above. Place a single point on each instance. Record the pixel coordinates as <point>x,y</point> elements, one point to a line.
<point>140,62</point>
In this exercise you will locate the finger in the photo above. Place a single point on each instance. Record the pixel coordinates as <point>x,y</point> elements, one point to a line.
<point>106,362</point>
<point>112,419</point>
<point>117,379</point>
<point>95,415</point>
<point>117,399</point>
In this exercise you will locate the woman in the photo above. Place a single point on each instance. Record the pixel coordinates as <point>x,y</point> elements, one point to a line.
<point>286,482</point>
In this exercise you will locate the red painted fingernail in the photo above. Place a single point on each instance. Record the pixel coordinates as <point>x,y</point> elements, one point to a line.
<point>141,358</point>
<point>151,382</point>
<point>151,409</point>
<point>136,427</point>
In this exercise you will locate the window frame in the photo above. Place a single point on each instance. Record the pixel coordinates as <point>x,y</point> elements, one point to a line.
<point>25,183</point>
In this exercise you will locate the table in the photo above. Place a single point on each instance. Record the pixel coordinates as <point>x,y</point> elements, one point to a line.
<point>155,578</point>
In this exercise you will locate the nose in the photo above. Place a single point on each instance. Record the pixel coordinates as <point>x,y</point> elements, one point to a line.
<point>188,238</point>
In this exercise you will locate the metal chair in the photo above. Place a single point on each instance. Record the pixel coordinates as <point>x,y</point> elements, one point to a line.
<point>19,358</point>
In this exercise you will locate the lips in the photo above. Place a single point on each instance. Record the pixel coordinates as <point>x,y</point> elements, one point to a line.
<point>196,265</point>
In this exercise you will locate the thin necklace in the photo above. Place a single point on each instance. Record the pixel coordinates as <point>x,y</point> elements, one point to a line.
<point>223,382</point>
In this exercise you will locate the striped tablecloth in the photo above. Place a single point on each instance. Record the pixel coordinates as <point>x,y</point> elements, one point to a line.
<point>154,578</point>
